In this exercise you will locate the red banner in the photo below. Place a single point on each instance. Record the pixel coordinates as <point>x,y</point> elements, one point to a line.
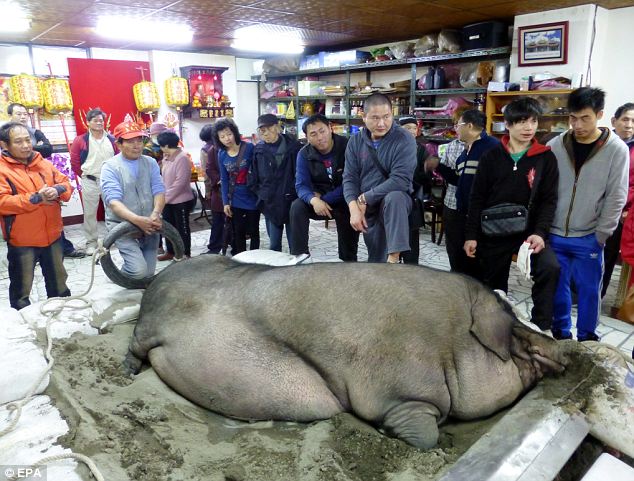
<point>106,84</point>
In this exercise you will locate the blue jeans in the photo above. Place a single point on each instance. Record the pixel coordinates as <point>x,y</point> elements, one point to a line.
<point>139,255</point>
<point>275,235</point>
<point>580,258</point>
<point>22,270</point>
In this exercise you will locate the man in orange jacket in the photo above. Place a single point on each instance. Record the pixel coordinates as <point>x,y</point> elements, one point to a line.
<point>31,189</point>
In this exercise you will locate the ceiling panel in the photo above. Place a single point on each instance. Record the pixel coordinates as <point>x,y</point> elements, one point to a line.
<point>325,23</point>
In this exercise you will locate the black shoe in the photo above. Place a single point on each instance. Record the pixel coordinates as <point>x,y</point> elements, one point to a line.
<point>209,252</point>
<point>76,253</point>
<point>589,337</point>
<point>557,334</point>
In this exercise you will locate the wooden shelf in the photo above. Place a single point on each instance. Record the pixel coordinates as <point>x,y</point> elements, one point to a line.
<point>456,91</point>
<point>529,93</point>
<point>547,122</point>
<point>501,116</point>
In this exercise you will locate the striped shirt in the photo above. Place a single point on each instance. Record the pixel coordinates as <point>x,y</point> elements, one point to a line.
<point>448,154</point>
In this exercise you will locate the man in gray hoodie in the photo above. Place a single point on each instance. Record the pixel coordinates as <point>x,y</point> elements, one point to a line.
<point>593,166</point>
<point>377,180</point>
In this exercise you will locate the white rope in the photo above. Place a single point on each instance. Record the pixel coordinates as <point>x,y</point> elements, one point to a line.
<point>52,314</point>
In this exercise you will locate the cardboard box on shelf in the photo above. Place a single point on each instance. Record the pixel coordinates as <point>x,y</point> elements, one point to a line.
<point>310,87</point>
<point>349,57</point>
<point>330,59</point>
<point>309,62</point>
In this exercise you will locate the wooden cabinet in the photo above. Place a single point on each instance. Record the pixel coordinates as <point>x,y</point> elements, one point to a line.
<point>343,108</point>
<point>553,102</point>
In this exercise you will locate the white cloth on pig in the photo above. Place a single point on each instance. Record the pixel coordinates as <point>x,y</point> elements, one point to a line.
<point>271,258</point>
<point>524,260</point>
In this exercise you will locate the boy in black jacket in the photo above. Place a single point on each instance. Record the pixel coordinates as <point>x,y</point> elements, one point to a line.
<point>507,174</point>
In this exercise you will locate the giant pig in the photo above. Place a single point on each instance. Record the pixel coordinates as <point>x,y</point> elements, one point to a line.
<point>401,347</point>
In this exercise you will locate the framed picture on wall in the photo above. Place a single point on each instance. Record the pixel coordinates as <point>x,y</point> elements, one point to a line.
<point>545,44</point>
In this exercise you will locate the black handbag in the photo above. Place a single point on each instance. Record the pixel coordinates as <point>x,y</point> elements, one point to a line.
<point>416,216</point>
<point>508,219</point>
<point>504,219</point>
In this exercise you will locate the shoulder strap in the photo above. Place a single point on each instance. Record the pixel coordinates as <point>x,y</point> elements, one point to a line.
<point>233,175</point>
<point>375,158</point>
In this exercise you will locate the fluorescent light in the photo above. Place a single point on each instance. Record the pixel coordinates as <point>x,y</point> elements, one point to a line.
<point>265,38</point>
<point>142,30</point>
<point>13,18</point>
<point>16,24</point>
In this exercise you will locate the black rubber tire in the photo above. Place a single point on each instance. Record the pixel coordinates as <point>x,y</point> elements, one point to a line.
<point>126,229</point>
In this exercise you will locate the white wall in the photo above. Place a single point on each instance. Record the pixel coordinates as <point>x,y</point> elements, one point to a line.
<point>14,60</point>
<point>246,107</point>
<point>614,69</point>
<point>118,54</point>
<point>579,35</point>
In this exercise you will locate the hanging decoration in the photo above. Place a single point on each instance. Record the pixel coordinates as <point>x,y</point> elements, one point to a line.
<point>26,90</point>
<point>176,92</point>
<point>146,97</point>
<point>290,111</point>
<point>57,97</point>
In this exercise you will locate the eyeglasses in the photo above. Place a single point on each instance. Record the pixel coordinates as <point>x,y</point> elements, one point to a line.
<point>458,124</point>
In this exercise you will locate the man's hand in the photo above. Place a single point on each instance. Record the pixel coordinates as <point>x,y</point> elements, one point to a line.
<point>536,243</point>
<point>227,209</point>
<point>321,208</point>
<point>157,222</point>
<point>431,164</point>
<point>49,194</point>
<point>357,217</point>
<point>470,248</point>
<point>146,224</point>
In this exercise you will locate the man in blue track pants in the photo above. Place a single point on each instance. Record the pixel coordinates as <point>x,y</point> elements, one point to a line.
<point>593,179</point>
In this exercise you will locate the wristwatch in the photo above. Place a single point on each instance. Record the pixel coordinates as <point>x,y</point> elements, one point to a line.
<point>361,199</point>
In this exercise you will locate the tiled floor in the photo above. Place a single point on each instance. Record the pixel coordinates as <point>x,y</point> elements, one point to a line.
<point>323,244</point>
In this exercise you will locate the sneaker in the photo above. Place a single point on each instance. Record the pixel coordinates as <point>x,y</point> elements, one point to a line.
<point>557,334</point>
<point>165,257</point>
<point>76,253</point>
<point>588,337</point>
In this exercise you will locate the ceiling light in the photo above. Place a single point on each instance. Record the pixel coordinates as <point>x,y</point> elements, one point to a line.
<point>142,30</point>
<point>13,18</point>
<point>268,38</point>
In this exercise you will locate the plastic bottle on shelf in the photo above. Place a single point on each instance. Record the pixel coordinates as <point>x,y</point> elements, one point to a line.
<point>429,79</point>
<point>439,78</point>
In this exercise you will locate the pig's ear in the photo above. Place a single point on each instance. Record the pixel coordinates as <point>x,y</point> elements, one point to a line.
<point>491,324</point>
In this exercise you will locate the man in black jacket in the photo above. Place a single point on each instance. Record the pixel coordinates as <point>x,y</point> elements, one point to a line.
<point>318,181</point>
<point>40,143</point>
<point>272,177</point>
<point>509,174</point>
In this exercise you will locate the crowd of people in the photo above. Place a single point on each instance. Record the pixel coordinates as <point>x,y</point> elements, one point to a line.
<point>564,202</point>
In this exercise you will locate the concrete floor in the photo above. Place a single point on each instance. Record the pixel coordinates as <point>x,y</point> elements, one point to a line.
<point>323,245</point>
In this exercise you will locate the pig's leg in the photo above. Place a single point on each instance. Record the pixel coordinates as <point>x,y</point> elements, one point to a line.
<point>415,422</point>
